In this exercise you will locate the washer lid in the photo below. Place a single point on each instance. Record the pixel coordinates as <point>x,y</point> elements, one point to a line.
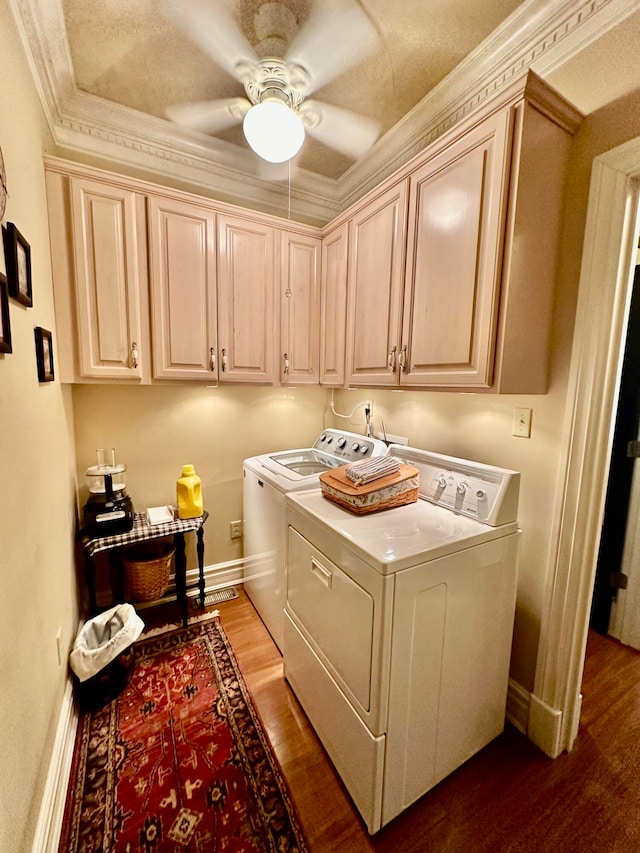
<point>291,470</point>
<point>306,461</point>
<point>395,539</point>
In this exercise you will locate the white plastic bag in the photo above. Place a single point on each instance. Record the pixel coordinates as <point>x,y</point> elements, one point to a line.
<point>102,638</point>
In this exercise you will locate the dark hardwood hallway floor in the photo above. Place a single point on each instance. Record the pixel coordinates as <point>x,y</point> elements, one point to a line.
<point>509,797</point>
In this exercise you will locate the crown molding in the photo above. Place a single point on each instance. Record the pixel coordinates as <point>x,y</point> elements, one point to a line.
<point>541,35</point>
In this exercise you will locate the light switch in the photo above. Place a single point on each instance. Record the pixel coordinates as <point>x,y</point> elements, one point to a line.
<point>522,423</point>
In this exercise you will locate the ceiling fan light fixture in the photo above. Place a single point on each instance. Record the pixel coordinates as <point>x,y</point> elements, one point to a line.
<point>273,130</point>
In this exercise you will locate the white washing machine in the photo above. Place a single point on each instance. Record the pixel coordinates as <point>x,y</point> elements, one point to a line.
<point>267,480</point>
<point>398,627</point>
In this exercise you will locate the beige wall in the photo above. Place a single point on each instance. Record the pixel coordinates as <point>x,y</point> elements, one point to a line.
<point>37,476</point>
<point>155,430</point>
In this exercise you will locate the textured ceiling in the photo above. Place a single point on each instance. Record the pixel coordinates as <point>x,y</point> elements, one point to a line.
<point>129,52</point>
<point>108,72</point>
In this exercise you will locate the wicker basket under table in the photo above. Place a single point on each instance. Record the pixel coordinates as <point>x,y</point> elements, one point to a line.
<point>386,492</point>
<point>148,569</point>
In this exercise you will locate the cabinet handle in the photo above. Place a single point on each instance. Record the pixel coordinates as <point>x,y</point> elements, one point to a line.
<point>212,359</point>
<point>391,361</point>
<point>286,363</point>
<point>134,355</point>
<point>402,359</point>
<point>224,360</point>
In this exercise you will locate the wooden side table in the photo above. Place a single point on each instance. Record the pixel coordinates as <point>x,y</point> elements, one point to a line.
<point>140,532</point>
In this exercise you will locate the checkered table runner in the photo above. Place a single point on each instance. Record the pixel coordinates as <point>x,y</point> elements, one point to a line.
<point>142,530</point>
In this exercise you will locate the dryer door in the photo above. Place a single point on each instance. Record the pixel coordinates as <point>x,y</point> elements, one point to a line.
<point>342,622</point>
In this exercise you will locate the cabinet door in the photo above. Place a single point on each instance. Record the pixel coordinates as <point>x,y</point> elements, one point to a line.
<point>108,248</point>
<point>183,289</point>
<point>333,306</point>
<point>247,325</point>
<point>376,276</point>
<point>456,219</point>
<point>299,309</point>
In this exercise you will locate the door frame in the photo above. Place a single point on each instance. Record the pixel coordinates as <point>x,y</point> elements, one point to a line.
<point>606,278</point>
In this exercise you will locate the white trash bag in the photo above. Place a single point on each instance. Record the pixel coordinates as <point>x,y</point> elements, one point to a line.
<point>102,638</point>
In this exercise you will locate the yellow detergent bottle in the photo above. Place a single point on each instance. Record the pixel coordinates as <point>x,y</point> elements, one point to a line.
<point>189,493</point>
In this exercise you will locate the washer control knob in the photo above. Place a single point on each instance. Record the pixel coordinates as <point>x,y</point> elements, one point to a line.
<point>355,447</point>
<point>342,442</point>
<point>461,488</point>
<point>480,494</point>
<point>323,437</point>
<point>442,482</point>
<point>364,449</point>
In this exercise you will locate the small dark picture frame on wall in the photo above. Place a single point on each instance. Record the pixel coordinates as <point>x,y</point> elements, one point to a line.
<point>5,323</point>
<point>17,253</point>
<point>44,354</point>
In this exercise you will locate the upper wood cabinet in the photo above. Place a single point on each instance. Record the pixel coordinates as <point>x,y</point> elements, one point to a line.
<point>182,264</point>
<point>333,306</point>
<point>472,306</point>
<point>141,271</point>
<point>428,319</point>
<point>98,249</point>
<point>454,250</point>
<point>300,259</point>
<point>442,277</point>
<point>377,234</point>
<point>247,312</point>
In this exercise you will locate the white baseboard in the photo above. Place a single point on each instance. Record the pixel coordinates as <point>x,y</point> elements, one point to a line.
<point>47,834</point>
<point>218,575</point>
<point>518,700</point>
<point>534,718</point>
<point>545,726</point>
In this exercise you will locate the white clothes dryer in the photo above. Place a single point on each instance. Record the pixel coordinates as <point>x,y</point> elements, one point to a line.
<point>398,627</point>
<point>267,479</point>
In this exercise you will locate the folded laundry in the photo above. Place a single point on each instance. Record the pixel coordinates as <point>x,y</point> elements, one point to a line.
<point>378,466</point>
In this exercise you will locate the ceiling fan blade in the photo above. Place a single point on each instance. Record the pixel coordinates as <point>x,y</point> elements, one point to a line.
<point>347,132</point>
<point>210,116</point>
<point>336,35</point>
<point>210,26</point>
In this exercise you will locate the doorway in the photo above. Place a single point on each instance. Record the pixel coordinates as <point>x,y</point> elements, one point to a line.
<point>610,574</point>
<point>608,266</point>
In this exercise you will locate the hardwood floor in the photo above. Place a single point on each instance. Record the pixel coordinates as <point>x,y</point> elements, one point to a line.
<point>509,797</point>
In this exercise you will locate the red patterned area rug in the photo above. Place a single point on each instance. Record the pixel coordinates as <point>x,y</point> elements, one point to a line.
<point>179,761</point>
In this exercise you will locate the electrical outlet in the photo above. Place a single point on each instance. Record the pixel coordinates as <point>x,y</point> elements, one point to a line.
<point>236,529</point>
<point>522,423</point>
<point>59,644</point>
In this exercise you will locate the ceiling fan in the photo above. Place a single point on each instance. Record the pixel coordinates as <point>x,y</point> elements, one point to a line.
<point>277,78</point>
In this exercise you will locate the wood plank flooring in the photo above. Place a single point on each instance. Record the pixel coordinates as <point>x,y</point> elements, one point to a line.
<point>509,797</point>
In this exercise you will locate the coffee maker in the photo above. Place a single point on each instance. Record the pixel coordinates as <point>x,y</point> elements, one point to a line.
<point>109,509</point>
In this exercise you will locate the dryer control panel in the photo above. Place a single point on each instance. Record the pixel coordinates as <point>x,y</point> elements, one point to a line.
<point>480,491</point>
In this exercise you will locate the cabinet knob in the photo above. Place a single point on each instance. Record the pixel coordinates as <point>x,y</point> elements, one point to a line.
<point>134,355</point>
<point>391,361</point>
<point>224,360</point>
<point>212,359</point>
<point>286,363</point>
